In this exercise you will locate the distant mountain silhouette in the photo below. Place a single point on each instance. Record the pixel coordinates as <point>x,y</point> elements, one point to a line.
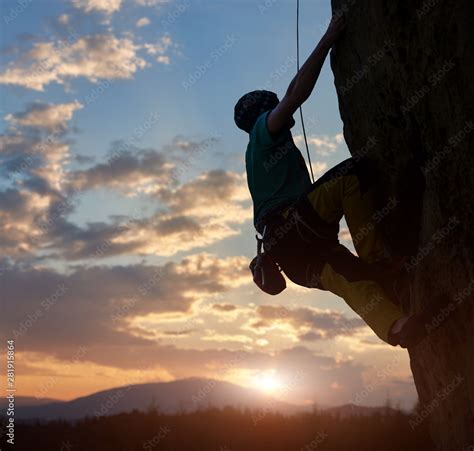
<point>353,410</point>
<point>169,397</point>
<point>27,401</point>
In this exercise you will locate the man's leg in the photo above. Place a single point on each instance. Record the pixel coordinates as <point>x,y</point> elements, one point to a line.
<point>350,278</point>
<point>342,192</point>
<point>332,267</point>
<point>345,190</point>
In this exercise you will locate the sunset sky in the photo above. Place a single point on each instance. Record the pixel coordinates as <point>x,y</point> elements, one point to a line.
<point>125,217</point>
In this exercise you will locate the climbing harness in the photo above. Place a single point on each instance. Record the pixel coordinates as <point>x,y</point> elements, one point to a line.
<point>297,70</point>
<point>265,271</point>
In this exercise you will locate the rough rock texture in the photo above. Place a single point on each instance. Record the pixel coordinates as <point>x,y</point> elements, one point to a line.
<point>404,73</point>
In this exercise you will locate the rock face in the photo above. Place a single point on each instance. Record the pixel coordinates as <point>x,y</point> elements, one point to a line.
<point>404,74</point>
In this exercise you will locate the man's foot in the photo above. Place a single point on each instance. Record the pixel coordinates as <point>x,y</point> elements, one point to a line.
<point>408,331</point>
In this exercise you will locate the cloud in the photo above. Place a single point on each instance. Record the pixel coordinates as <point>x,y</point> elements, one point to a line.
<point>103,6</point>
<point>28,157</point>
<point>33,170</point>
<point>151,2</point>
<point>163,59</point>
<point>183,149</point>
<point>23,219</point>
<point>46,116</point>
<point>297,368</point>
<point>111,6</point>
<point>196,214</point>
<point>83,159</point>
<point>224,307</point>
<point>46,375</point>
<point>37,175</point>
<point>345,235</point>
<point>94,305</point>
<point>178,333</point>
<point>319,168</point>
<point>311,323</point>
<point>211,335</point>
<point>93,57</point>
<point>63,19</point>
<point>143,22</point>
<point>159,48</point>
<point>215,193</point>
<point>134,171</point>
<point>324,145</point>
<point>184,225</point>
<point>130,171</point>
<point>46,192</point>
<point>51,314</point>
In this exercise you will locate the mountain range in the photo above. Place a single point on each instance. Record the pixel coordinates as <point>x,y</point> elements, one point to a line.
<point>183,395</point>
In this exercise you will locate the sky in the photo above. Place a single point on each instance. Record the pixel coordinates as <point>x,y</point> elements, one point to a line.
<point>126,222</point>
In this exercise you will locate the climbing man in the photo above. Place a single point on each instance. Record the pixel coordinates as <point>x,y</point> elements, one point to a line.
<point>299,220</point>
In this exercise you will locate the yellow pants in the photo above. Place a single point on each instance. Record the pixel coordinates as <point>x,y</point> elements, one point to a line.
<point>338,196</point>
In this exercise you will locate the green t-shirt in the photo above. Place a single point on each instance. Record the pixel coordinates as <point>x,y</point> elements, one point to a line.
<point>276,170</point>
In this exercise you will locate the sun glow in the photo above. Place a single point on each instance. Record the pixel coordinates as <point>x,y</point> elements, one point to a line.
<point>268,381</point>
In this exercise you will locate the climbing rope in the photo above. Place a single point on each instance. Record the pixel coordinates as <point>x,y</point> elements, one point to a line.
<point>297,70</point>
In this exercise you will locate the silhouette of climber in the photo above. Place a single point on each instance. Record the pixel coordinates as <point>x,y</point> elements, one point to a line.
<point>299,220</point>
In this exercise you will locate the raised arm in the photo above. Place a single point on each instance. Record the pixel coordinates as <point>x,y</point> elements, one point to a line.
<point>304,81</point>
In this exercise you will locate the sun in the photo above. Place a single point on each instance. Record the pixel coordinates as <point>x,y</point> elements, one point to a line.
<point>268,381</point>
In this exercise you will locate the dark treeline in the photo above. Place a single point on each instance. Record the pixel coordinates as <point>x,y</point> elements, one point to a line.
<point>228,429</point>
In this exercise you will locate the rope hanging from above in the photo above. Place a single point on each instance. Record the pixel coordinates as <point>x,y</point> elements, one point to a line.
<point>297,70</point>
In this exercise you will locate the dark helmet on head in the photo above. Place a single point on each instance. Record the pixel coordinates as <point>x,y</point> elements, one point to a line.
<point>251,105</point>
